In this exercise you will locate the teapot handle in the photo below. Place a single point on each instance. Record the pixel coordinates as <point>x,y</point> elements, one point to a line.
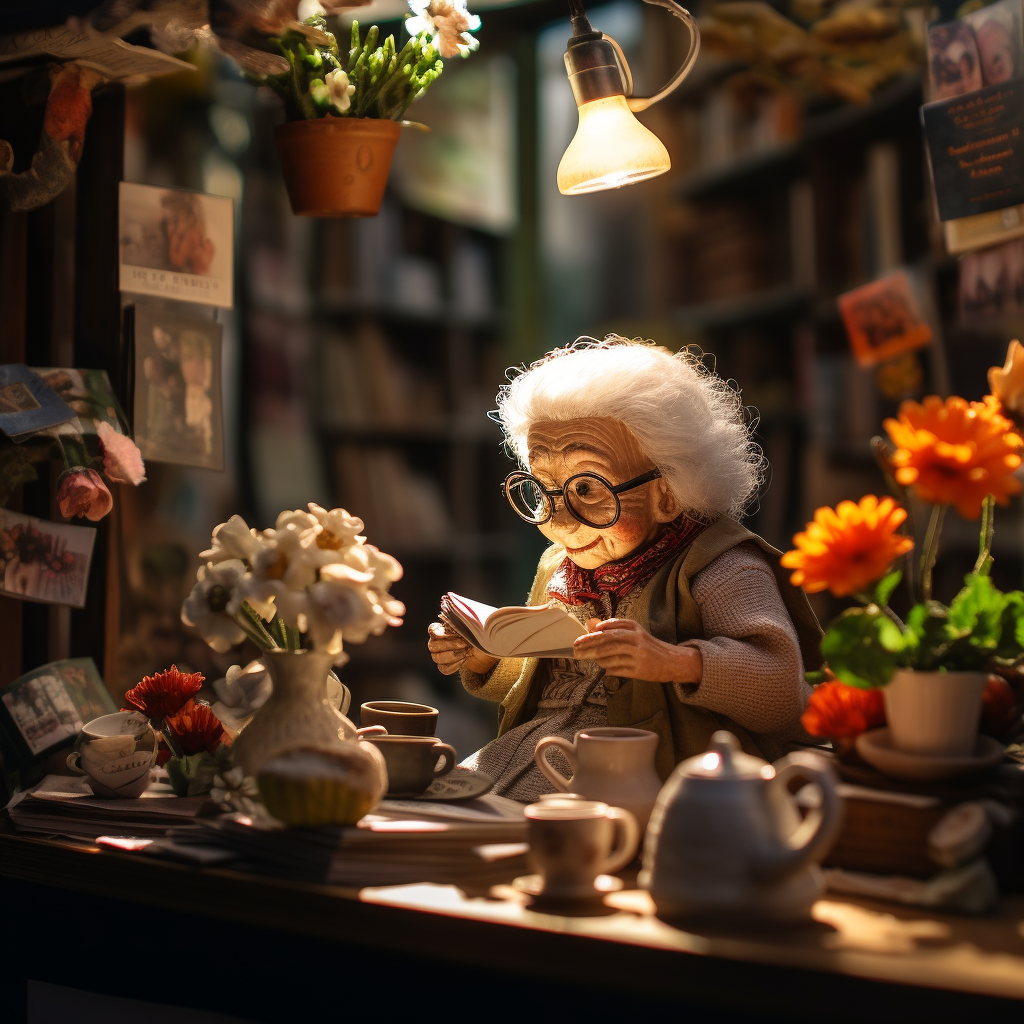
<point>816,833</point>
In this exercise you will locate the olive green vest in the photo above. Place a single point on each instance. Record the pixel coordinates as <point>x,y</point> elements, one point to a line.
<point>667,610</point>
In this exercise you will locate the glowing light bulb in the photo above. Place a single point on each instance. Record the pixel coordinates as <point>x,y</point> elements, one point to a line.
<point>611,148</point>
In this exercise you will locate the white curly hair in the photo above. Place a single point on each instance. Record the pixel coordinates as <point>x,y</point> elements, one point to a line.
<point>689,422</point>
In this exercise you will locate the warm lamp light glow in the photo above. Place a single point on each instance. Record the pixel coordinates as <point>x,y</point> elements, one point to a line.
<point>611,148</point>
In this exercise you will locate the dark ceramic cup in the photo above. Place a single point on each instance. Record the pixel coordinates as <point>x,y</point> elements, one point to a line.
<point>413,761</point>
<point>399,717</point>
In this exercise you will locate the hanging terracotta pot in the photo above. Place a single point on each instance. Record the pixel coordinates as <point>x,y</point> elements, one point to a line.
<point>336,166</point>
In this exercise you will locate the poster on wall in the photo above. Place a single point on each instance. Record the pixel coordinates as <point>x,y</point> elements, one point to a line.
<point>973,126</point>
<point>28,403</point>
<point>47,707</point>
<point>44,561</point>
<point>90,396</point>
<point>178,414</point>
<point>176,244</point>
<point>882,320</point>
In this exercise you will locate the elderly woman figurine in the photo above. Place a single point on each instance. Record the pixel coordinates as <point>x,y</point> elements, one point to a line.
<point>636,464</point>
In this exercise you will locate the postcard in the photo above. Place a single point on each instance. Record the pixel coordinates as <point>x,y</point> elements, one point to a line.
<point>44,561</point>
<point>47,707</point>
<point>176,244</point>
<point>178,408</point>
<point>975,150</point>
<point>992,282</point>
<point>882,319</point>
<point>90,395</point>
<point>27,404</point>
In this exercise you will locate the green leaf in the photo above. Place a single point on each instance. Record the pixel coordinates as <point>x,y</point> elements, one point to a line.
<point>862,647</point>
<point>885,587</point>
<point>192,774</point>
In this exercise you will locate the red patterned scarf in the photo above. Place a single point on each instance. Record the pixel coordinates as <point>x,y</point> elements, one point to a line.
<point>573,585</point>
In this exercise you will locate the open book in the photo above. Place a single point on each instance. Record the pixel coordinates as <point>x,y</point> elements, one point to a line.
<point>541,632</point>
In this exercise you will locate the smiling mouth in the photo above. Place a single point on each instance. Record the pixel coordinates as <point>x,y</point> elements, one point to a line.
<point>576,551</point>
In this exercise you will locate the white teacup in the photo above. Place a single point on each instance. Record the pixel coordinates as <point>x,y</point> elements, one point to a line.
<point>574,841</point>
<point>116,753</point>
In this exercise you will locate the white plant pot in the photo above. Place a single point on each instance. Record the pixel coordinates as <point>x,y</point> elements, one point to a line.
<point>934,713</point>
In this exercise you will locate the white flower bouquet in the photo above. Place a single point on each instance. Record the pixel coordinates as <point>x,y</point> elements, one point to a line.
<point>310,582</point>
<point>368,79</point>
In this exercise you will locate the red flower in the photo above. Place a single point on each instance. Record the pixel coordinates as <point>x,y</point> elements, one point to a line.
<point>998,707</point>
<point>165,693</point>
<point>837,711</point>
<point>81,492</point>
<point>196,728</point>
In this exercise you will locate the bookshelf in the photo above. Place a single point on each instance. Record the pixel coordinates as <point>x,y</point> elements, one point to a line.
<point>372,352</point>
<point>756,246</point>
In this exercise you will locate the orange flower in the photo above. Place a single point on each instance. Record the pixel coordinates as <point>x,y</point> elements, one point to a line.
<point>849,548</point>
<point>196,728</point>
<point>836,710</point>
<point>1007,382</point>
<point>955,453</point>
<point>165,693</point>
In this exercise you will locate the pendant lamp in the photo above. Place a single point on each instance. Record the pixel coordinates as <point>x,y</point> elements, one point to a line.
<point>611,148</point>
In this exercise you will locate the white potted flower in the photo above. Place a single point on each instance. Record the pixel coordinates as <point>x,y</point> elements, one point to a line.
<point>298,591</point>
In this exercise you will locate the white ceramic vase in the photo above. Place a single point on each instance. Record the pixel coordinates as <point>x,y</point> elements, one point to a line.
<point>296,714</point>
<point>934,713</point>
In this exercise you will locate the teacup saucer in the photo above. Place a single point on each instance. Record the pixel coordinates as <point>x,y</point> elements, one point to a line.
<point>533,885</point>
<point>458,784</point>
<point>875,746</point>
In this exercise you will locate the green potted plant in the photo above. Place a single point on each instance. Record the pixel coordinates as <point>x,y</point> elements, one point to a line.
<point>934,663</point>
<point>345,107</point>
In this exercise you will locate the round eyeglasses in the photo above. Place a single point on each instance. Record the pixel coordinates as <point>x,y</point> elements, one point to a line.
<point>588,498</point>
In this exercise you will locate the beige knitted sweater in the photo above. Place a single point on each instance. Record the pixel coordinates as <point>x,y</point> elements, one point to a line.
<point>753,658</point>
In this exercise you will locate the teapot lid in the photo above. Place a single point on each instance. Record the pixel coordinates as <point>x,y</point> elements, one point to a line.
<point>724,759</point>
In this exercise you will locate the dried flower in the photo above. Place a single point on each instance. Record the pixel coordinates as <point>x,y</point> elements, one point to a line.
<point>1007,382</point>
<point>998,707</point>
<point>847,549</point>
<point>161,695</point>
<point>955,453</point>
<point>837,711</point>
<point>231,540</point>
<point>196,729</point>
<point>122,460</point>
<point>82,493</point>
<point>448,21</point>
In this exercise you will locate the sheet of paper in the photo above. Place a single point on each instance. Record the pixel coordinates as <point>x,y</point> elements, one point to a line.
<point>112,57</point>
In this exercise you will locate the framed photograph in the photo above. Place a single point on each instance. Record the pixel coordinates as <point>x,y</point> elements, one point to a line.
<point>90,396</point>
<point>47,707</point>
<point>954,66</point>
<point>27,404</point>
<point>997,34</point>
<point>44,561</point>
<point>176,244</point>
<point>992,282</point>
<point>882,320</point>
<point>178,408</point>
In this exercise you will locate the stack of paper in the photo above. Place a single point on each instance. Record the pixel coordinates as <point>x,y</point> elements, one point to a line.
<point>475,842</point>
<point>62,805</point>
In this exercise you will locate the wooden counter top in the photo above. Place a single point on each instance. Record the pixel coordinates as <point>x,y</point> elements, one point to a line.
<point>250,944</point>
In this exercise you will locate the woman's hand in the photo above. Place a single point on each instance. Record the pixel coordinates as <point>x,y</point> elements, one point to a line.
<point>624,648</point>
<point>451,652</point>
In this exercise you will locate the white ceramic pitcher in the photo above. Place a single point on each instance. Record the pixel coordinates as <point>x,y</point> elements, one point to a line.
<point>612,764</point>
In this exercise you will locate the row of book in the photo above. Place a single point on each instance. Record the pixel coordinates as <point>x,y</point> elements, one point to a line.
<point>364,383</point>
<point>406,507</point>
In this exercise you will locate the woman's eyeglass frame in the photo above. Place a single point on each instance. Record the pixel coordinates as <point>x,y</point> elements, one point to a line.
<point>559,492</point>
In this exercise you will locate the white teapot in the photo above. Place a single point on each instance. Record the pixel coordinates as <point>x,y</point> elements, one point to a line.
<point>726,840</point>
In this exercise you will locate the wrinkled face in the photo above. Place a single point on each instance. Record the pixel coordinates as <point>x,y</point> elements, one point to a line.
<point>558,450</point>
